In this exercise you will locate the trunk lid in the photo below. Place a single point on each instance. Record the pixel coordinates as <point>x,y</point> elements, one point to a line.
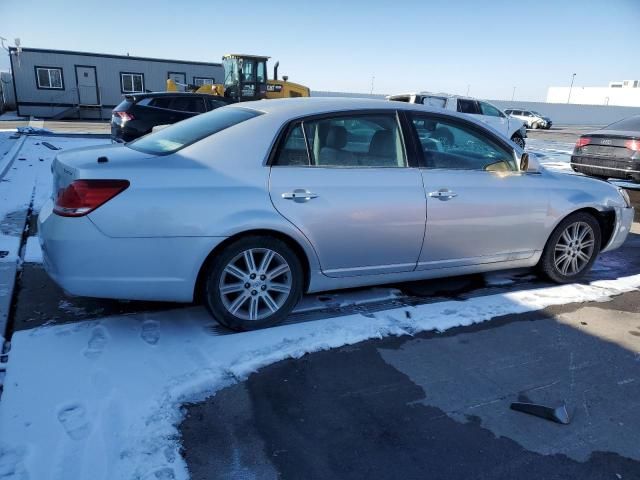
<point>83,164</point>
<point>608,144</point>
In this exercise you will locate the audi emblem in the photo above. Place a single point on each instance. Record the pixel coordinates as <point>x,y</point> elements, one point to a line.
<point>606,142</point>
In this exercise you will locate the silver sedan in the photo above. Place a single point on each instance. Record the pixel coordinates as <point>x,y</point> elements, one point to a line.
<point>249,206</point>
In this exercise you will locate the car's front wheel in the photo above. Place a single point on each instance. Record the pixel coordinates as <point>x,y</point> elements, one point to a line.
<point>253,283</point>
<point>518,140</point>
<point>572,248</point>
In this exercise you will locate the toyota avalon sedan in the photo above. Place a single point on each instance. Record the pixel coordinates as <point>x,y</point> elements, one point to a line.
<point>611,152</point>
<point>251,205</point>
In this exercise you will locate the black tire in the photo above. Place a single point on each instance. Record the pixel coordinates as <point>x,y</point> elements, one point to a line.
<point>549,265</point>
<point>534,126</point>
<point>216,275</point>
<point>518,140</point>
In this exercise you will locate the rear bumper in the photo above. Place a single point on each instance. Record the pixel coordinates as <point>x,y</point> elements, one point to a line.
<point>85,262</point>
<point>624,219</point>
<point>612,168</point>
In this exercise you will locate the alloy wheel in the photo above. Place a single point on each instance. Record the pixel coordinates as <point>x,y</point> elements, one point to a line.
<point>255,284</point>
<point>574,248</point>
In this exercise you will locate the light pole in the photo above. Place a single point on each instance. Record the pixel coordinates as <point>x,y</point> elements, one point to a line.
<point>513,94</point>
<point>373,79</point>
<point>468,88</point>
<point>573,77</point>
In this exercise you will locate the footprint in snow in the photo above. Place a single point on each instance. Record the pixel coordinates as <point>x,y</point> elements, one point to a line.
<point>73,419</point>
<point>150,332</point>
<point>97,342</point>
<point>164,474</point>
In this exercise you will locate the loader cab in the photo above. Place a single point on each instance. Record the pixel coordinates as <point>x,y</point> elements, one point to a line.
<point>245,76</point>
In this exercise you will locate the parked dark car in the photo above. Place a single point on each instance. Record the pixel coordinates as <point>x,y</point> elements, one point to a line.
<point>138,113</point>
<point>612,152</point>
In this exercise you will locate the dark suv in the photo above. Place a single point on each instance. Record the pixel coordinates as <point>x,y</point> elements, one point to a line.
<point>138,113</point>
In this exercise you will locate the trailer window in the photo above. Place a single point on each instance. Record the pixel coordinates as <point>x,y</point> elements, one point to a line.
<point>49,78</point>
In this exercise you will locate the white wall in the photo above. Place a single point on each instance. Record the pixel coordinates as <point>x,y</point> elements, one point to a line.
<point>628,97</point>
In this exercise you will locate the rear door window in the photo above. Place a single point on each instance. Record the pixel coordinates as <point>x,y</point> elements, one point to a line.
<point>631,123</point>
<point>161,102</point>
<point>468,106</point>
<point>212,103</point>
<point>188,104</point>
<point>345,141</point>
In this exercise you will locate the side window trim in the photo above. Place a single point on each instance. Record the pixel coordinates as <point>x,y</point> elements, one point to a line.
<point>456,122</point>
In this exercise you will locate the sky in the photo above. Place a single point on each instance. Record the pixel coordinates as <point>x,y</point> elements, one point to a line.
<point>483,47</point>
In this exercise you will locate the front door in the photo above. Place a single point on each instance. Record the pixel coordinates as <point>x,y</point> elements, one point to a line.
<point>480,208</point>
<point>87,81</point>
<point>344,182</point>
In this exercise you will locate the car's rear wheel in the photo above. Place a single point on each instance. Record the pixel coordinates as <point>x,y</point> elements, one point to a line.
<point>572,248</point>
<point>253,283</point>
<point>518,140</point>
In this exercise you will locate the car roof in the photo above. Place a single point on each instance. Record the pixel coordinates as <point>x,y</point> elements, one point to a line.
<point>291,108</point>
<point>170,94</point>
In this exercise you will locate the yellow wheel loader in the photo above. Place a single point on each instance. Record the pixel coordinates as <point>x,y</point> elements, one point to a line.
<point>245,78</point>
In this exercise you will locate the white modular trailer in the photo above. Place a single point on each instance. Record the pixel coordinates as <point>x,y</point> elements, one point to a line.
<point>61,83</point>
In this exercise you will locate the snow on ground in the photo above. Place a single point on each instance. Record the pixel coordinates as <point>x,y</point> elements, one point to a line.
<point>551,154</point>
<point>102,399</point>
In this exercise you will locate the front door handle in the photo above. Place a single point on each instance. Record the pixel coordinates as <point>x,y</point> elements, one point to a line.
<point>443,194</point>
<point>299,195</point>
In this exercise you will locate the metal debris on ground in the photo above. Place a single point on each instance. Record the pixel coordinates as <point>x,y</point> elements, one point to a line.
<point>49,146</point>
<point>555,414</point>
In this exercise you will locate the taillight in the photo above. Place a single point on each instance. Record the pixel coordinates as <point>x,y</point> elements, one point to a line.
<point>83,196</point>
<point>582,141</point>
<point>125,116</point>
<point>632,145</point>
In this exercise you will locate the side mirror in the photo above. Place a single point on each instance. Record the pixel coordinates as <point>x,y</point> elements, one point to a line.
<point>524,162</point>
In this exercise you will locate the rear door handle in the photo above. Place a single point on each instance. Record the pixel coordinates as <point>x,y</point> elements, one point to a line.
<point>299,195</point>
<point>443,194</point>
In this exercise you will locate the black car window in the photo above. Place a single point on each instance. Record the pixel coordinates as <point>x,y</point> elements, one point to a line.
<point>189,131</point>
<point>468,106</point>
<point>213,103</point>
<point>454,146</point>
<point>631,124</point>
<point>161,102</point>
<point>188,104</point>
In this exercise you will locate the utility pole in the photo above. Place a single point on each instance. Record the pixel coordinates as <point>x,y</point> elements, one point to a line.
<point>373,79</point>
<point>573,77</point>
<point>513,94</point>
<point>468,88</point>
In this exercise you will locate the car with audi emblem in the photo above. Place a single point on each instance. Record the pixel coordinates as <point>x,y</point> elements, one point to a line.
<point>251,205</point>
<point>611,152</point>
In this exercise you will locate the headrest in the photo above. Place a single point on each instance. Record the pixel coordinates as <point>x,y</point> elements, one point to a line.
<point>382,144</point>
<point>337,137</point>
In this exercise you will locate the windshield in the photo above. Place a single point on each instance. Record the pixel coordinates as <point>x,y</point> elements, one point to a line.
<point>230,71</point>
<point>181,134</point>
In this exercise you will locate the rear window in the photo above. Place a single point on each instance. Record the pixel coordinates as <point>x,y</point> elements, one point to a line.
<point>123,106</point>
<point>179,135</point>
<point>631,123</point>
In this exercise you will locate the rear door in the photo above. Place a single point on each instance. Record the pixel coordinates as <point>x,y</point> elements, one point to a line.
<point>480,208</point>
<point>345,182</point>
<point>187,106</point>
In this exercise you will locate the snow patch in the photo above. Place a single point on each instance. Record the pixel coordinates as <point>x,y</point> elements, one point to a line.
<point>102,399</point>
<point>33,252</point>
